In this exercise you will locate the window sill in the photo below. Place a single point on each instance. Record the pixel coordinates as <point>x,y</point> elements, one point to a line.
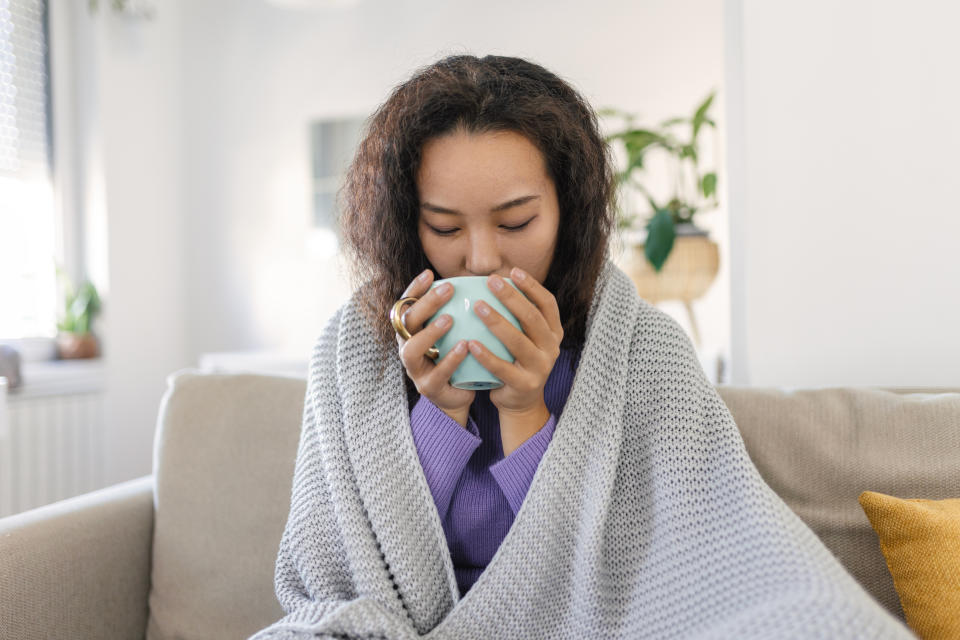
<point>38,349</point>
<point>59,377</point>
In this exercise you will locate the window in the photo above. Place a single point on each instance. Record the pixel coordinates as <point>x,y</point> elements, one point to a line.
<point>27,235</point>
<point>333,144</point>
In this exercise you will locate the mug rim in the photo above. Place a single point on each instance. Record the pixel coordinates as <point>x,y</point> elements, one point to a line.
<point>442,280</point>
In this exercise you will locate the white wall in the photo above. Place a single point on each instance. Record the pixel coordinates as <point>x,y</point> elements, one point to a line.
<point>255,75</point>
<point>126,101</point>
<point>195,170</point>
<point>843,196</point>
<point>197,159</point>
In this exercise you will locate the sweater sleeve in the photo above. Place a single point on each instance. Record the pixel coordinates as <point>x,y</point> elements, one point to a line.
<point>444,448</point>
<point>515,472</point>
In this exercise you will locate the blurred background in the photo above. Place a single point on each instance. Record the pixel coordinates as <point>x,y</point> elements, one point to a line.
<point>168,171</point>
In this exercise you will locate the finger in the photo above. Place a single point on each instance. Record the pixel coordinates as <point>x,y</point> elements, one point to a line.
<point>413,352</point>
<point>526,313</point>
<point>441,374</point>
<point>416,288</point>
<point>417,314</point>
<point>519,345</point>
<point>509,373</point>
<point>419,286</point>
<point>539,296</point>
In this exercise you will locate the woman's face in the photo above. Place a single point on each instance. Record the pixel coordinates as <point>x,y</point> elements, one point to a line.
<point>486,205</point>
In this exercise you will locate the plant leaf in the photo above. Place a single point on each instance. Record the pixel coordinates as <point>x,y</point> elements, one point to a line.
<point>634,162</point>
<point>78,306</point>
<point>660,236</point>
<point>637,143</point>
<point>672,121</point>
<point>701,114</point>
<point>708,185</point>
<point>642,138</point>
<point>93,299</point>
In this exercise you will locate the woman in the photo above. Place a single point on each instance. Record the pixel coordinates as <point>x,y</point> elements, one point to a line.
<point>603,490</point>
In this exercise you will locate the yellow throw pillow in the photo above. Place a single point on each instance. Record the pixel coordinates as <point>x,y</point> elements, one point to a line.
<point>921,541</point>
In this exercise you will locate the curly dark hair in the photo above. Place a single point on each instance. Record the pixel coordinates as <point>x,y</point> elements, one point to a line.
<point>380,203</point>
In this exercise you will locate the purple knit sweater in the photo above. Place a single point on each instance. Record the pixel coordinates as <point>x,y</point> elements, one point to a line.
<point>476,490</point>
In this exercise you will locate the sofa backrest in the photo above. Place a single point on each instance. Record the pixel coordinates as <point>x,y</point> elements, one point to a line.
<point>226,444</point>
<point>818,449</point>
<point>224,452</point>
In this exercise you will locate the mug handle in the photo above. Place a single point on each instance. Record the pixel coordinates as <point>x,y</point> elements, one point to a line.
<point>396,319</point>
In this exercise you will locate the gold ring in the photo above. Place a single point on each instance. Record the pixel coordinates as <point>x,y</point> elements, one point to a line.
<point>396,319</point>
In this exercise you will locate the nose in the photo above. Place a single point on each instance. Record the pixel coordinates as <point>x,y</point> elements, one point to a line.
<point>483,256</point>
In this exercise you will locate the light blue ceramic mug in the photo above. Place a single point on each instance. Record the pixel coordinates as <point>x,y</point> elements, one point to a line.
<point>467,325</point>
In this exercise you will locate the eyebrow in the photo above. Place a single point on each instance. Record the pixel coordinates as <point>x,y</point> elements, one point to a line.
<point>516,202</point>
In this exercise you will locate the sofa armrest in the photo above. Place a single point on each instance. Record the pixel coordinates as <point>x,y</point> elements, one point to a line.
<point>79,568</point>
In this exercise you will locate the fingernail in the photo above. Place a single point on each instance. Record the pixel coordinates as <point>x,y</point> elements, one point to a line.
<point>461,347</point>
<point>474,347</point>
<point>518,273</point>
<point>443,322</point>
<point>445,288</point>
<point>496,283</point>
<point>482,308</point>
<point>423,276</point>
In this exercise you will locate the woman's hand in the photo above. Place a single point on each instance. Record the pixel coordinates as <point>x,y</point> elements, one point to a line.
<point>535,350</point>
<point>432,379</point>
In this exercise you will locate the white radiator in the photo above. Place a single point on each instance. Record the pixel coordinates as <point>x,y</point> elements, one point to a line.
<point>51,441</point>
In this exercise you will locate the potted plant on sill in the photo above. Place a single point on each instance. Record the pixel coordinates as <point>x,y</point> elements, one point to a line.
<point>676,260</point>
<point>75,338</point>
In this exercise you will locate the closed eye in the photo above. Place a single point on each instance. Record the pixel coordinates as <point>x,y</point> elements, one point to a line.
<point>450,232</point>
<point>518,227</point>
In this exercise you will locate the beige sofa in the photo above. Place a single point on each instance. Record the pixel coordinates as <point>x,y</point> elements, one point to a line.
<point>189,551</point>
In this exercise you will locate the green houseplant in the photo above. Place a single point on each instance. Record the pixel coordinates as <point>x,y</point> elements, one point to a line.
<point>694,189</point>
<point>75,338</point>
<point>694,259</point>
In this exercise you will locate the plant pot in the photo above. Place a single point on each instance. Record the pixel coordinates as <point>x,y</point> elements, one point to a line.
<point>689,229</point>
<point>690,269</point>
<point>77,345</point>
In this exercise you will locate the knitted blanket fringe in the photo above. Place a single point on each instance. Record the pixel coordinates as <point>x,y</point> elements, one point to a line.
<point>645,519</point>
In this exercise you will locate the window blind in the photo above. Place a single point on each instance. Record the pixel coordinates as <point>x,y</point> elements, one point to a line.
<point>27,234</point>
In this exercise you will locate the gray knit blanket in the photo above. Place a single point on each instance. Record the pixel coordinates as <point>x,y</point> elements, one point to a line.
<point>645,519</point>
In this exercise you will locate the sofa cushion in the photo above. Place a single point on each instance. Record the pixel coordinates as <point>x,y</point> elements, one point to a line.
<point>224,453</point>
<point>921,541</point>
<point>820,448</point>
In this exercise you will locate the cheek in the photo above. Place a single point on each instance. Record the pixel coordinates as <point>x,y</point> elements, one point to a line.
<point>426,241</point>
<point>543,250</point>
<point>437,252</point>
<point>544,242</point>
<point>534,254</point>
